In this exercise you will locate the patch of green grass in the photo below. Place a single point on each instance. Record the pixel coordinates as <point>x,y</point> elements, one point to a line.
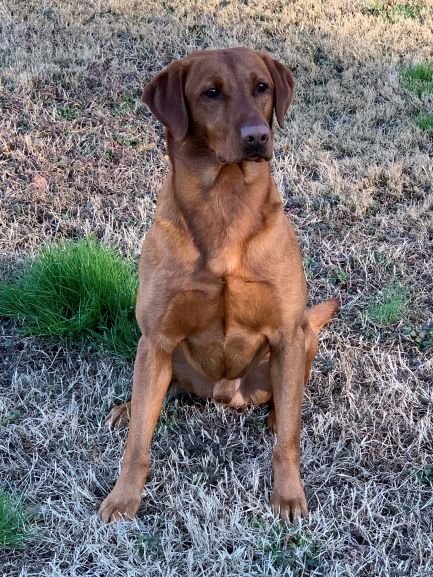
<point>375,9</point>
<point>425,121</point>
<point>410,11</point>
<point>126,140</point>
<point>421,336</point>
<point>149,545</point>
<point>76,290</point>
<point>293,550</point>
<point>68,113</point>
<point>337,276</point>
<point>390,306</point>
<point>419,78</point>
<point>126,106</point>
<point>425,476</point>
<point>110,154</point>
<point>13,521</point>
<point>13,416</point>
<point>391,12</point>
<point>308,261</point>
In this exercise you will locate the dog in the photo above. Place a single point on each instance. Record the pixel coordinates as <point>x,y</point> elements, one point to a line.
<point>222,295</point>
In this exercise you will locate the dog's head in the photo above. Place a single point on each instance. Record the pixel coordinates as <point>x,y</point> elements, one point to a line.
<point>223,100</point>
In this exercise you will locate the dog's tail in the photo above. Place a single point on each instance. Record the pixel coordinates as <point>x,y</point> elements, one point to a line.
<point>319,315</point>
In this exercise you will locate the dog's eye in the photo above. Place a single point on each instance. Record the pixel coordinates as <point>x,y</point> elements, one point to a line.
<point>212,93</point>
<point>261,87</point>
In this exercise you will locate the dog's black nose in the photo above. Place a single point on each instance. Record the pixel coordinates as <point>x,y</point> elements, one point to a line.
<point>255,135</point>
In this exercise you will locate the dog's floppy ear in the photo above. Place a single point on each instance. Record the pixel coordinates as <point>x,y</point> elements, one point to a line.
<point>284,87</point>
<point>166,99</point>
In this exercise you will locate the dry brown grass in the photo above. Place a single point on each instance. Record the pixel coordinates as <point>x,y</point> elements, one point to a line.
<point>80,155</point>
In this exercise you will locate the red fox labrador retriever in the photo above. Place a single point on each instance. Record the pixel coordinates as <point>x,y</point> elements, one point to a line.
<point>222,295</point>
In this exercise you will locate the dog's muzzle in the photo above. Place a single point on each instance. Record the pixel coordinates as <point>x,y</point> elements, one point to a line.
<point>255,138</point>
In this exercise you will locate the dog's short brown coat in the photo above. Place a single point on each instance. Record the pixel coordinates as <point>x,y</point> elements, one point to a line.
<point>222,298</point>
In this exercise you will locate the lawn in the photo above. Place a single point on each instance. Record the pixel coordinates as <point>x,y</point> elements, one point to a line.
<point>80,156</point>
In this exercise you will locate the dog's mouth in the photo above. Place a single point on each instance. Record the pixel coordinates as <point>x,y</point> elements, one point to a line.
<point>258,152</point>
<point>248,155</point>
<point>257,157</point>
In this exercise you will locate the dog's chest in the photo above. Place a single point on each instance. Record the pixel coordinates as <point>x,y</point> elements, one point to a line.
<point>225,326</point>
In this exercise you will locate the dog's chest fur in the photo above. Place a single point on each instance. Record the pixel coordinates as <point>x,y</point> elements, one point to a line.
<point>223,325</point>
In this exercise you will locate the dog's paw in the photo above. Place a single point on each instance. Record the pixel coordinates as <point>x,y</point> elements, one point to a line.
<point>118,416</point>
<point>120,505</point>
<point>289,505</point>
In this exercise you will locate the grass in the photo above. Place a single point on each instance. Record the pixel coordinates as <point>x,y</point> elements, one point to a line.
<point>68,113</point>
<point>337,276</point>
<point>426,475</point>
<point>293,550</point>
<point>425,121</point>
<point>76,290</point>
<point>419,78</point>
<point>13,522</point>
<point>390,306</point>
<point>356,177</point>
<point>13,416</point>
<point>421,336</point>
<point>391,11</point>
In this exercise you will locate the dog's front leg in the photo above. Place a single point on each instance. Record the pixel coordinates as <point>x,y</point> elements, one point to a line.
<point>287,367</point>
<point>152,375</point>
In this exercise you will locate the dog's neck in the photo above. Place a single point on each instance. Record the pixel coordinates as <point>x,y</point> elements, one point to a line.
<point>220,205</point>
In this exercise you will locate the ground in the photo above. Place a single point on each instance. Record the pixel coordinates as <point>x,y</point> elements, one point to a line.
<point>80,155</point>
